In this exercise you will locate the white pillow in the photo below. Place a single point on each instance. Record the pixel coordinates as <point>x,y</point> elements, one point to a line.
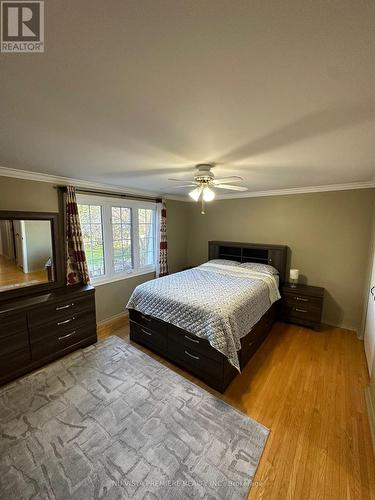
<point>224,262</point>
<point>260,268</point>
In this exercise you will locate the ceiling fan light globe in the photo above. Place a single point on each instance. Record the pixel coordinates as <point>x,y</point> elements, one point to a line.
<point>195,194</point>
<point>208,194</point>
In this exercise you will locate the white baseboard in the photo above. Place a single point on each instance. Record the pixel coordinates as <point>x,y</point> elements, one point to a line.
<point>370,403</point>
<point>124,315</point>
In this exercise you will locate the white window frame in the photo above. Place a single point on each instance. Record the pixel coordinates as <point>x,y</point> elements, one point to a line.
<point>106,204</point>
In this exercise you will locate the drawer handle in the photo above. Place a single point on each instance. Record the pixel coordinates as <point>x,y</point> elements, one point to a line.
<point>300,310</point>
<point>145,317</point>
<point>191,355</point>
<point>66,321</point>
<point>64,307</point>
<point>146,332</point>
<point>68,335</point>
<point>191,340</point>
<point>302,299</point>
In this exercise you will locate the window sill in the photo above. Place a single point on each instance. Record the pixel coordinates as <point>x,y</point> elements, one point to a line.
<point>111,279</point>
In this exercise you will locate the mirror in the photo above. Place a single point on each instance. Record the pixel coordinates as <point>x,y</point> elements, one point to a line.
<point>26,253</point>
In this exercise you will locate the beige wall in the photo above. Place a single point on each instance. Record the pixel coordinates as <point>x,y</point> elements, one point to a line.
<point>328,234</point>
<point>111,298</point>
<point>38,244</point>
<point>28,196</point>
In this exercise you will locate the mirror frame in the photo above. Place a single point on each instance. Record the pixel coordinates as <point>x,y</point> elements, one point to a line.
<point>57,251</point>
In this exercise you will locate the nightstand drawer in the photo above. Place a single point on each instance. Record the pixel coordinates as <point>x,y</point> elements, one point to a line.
<point>295,304</point>
<point>302,300</point>
<point>301,313</point>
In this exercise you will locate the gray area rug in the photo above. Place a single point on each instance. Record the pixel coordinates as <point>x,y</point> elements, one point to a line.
<point>110,422</point>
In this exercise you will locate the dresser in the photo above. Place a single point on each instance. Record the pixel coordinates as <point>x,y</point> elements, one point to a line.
<point>42,327</point>
<point>302,304</point>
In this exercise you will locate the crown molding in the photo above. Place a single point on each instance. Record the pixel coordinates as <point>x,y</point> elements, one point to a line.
<point>79,183</point>
<point>302,190</point>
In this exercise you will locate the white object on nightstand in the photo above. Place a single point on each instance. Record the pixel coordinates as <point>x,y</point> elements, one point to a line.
<point>293,276</point>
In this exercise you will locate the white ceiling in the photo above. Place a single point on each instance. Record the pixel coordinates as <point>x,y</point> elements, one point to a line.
<point>131,92</point>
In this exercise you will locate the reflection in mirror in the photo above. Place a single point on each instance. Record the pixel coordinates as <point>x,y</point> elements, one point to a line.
<point>26,253</point>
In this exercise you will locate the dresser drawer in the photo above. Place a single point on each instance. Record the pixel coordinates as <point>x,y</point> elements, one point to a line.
<point>60,311</point>
<point>150,338</point>
<point>194,361</point>
<point>200,346</point>
<point>12,323</point>
<point>13,343</point>
<point>13,361</point>
<point>57,328</point>
<point>53,344</point>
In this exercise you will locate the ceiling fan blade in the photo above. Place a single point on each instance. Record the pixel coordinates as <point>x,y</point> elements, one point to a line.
<point>180,180</point>
<point>231,188</point>
<point>182,186</point>
<point>222,180</point>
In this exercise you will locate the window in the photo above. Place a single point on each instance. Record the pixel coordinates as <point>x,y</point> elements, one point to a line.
<point>92,232</point>
<point>146,236</point>
<point>122,239</point>
<point>118,236</point>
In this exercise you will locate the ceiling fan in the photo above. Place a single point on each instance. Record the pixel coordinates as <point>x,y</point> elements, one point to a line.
<point>205,184</point>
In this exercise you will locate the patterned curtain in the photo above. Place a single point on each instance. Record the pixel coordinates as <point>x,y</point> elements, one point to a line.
<point>162,267</point>
<point>76,265</point>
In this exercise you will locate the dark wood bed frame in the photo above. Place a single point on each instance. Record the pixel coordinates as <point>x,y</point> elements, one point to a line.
<point>195,354</point>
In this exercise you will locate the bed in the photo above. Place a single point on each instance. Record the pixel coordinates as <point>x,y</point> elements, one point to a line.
<point>211,319</point>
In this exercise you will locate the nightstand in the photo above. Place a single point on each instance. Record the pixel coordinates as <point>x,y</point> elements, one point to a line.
<point>302,304</point>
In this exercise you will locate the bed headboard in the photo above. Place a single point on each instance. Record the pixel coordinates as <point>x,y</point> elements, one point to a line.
<point>275,255</point>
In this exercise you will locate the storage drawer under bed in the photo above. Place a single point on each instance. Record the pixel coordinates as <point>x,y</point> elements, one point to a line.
<point>196,344</point>
<point>150,338</point>
<point>193,360</point>
<point>195,354</point>
<point>149,322</point>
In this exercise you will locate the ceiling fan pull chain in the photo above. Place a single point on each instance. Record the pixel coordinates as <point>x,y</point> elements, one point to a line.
<point>203,207</point>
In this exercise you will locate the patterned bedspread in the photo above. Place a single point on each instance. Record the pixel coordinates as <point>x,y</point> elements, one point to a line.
<point>218,303</point>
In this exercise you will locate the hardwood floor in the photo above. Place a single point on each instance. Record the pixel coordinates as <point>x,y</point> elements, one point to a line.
<point>11,274</point>
<point>308,388</point>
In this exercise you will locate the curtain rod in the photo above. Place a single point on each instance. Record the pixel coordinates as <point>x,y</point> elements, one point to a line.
<point>113,195</point>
